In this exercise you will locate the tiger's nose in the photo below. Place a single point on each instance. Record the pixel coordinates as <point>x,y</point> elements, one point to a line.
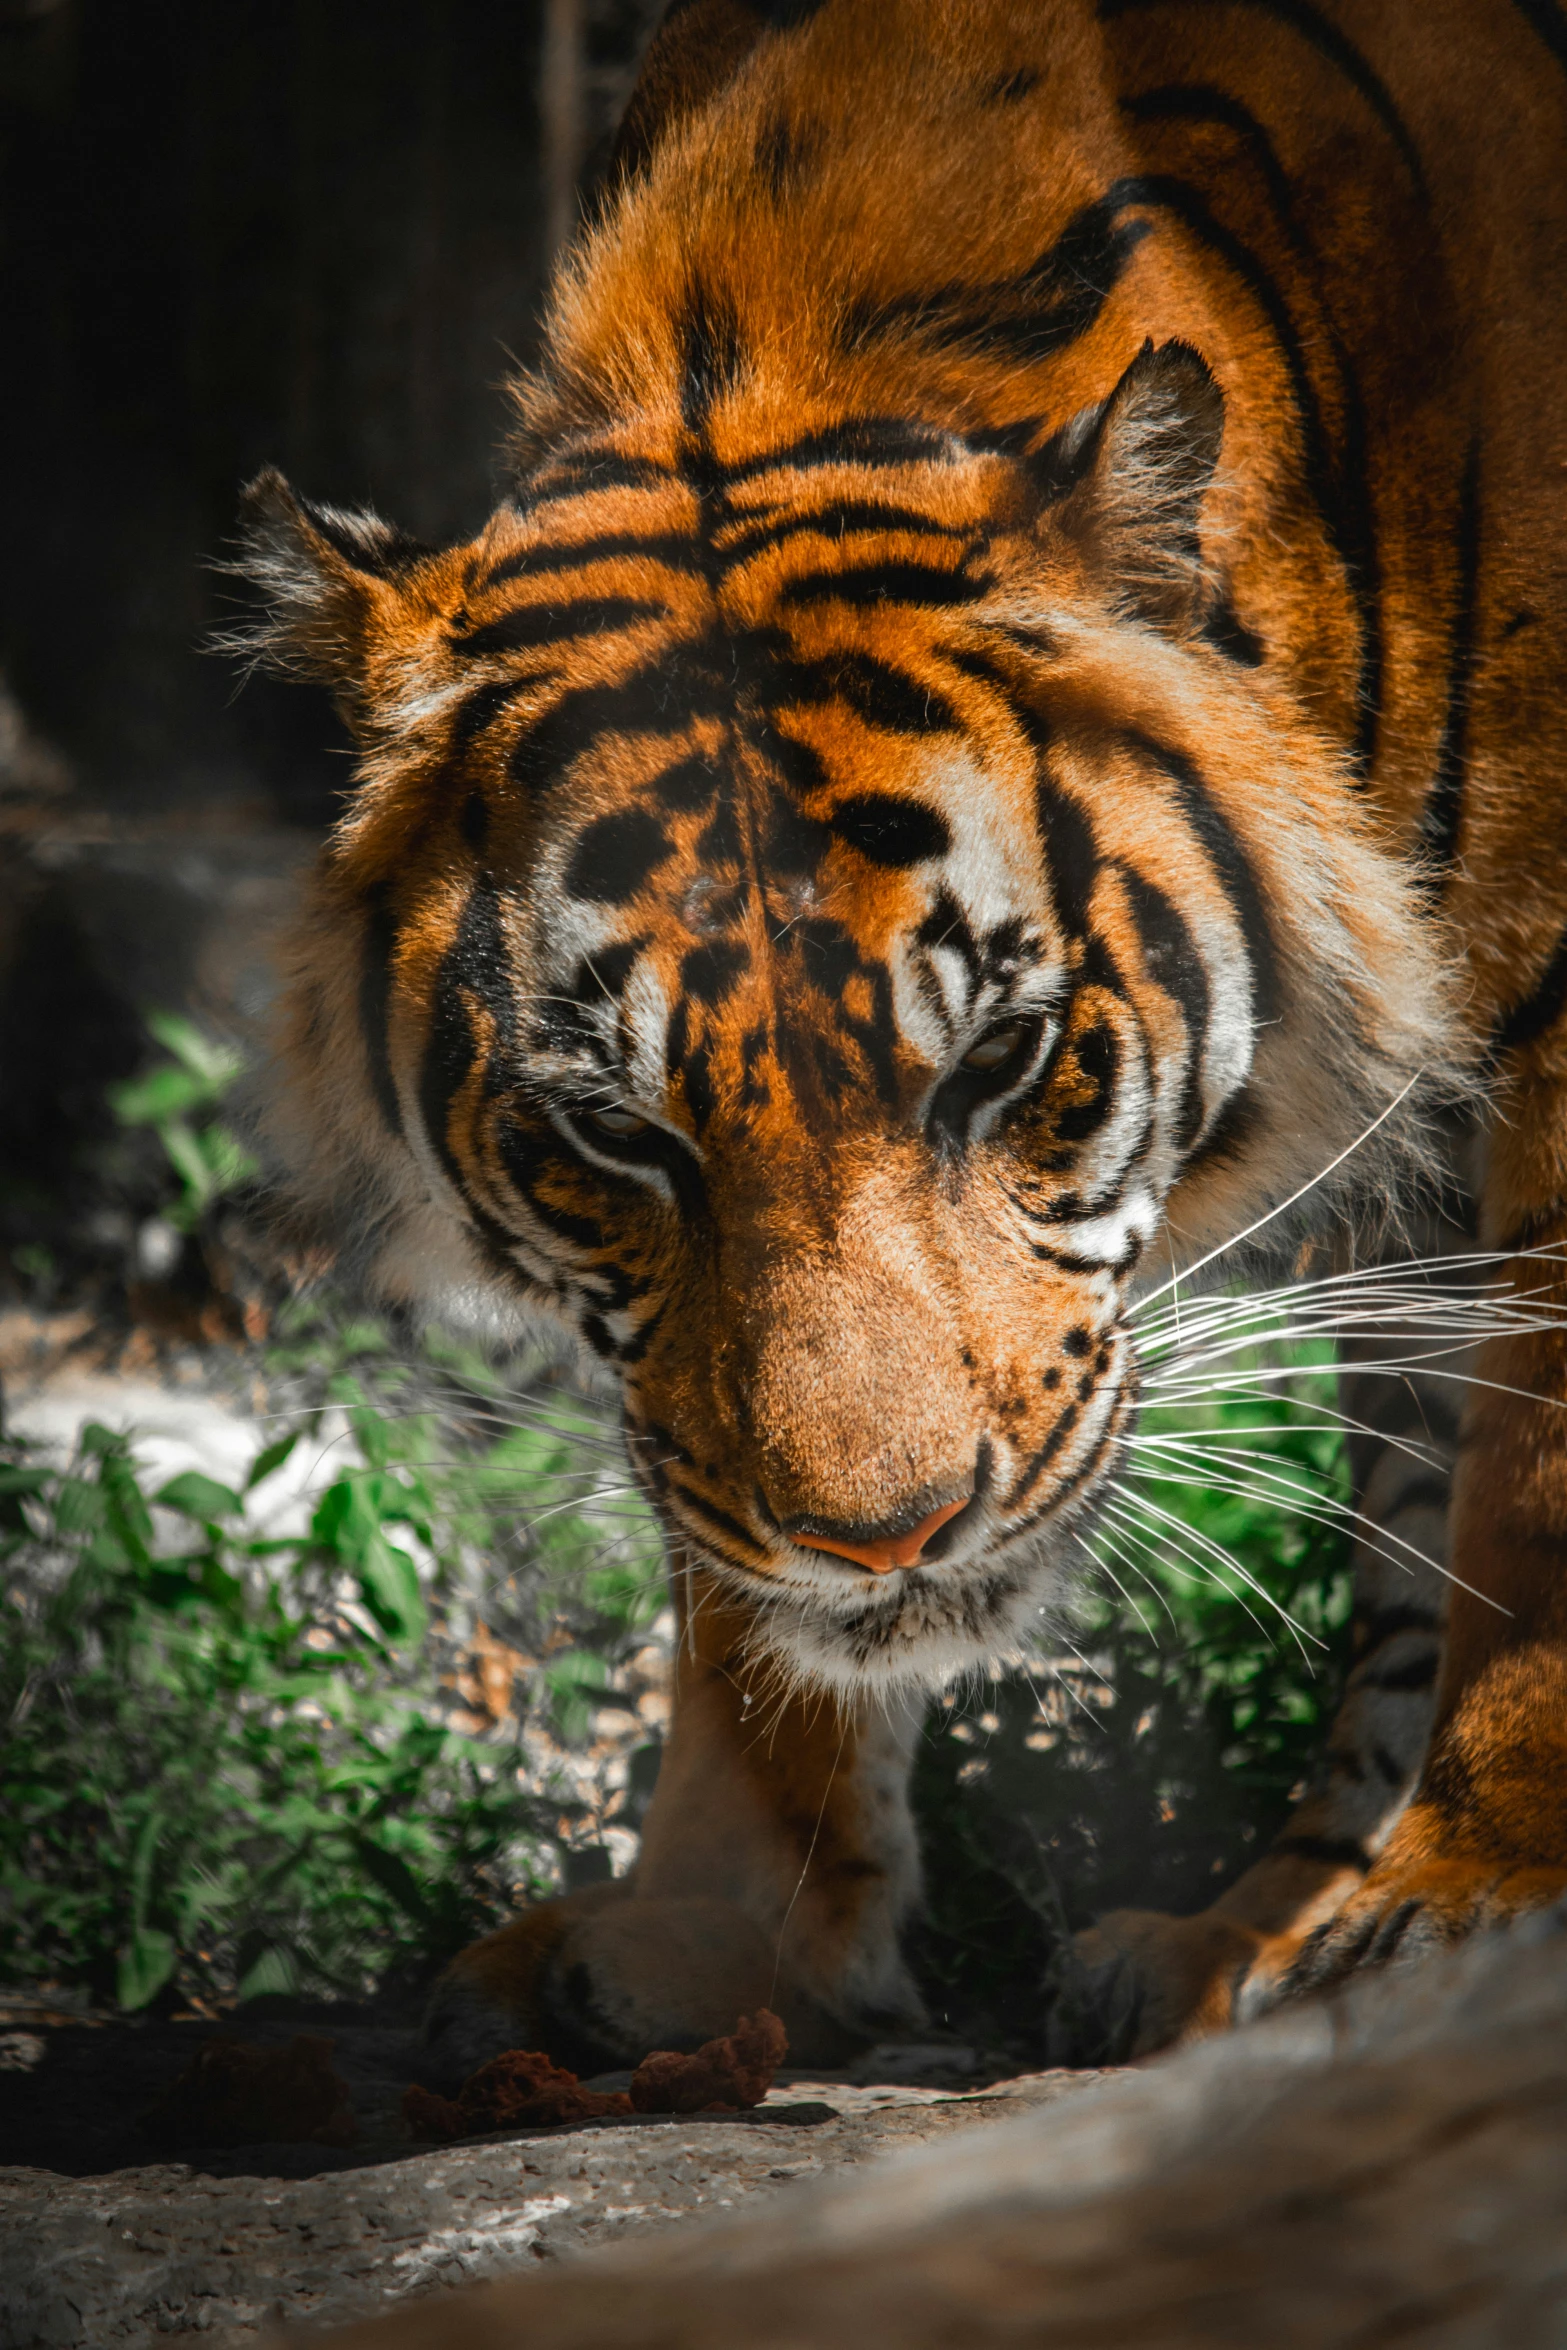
<point>875,1547</point>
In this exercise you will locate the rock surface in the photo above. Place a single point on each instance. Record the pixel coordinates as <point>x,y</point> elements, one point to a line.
<point>1386,2167</point>
<point>231,2242</point>
<point>1389,2166</point>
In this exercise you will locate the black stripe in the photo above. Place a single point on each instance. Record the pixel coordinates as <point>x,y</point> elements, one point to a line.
<point>1231,867</point>
<point>375,990</point>
<point>1419,1673</point>
<point>1066,829</point>
<point>711,353</point>
<point>531,625</point>
<point>874,690</point>
<point>643,703</point>
<point>485,702</point>
<point>1170,954</point>
<point>1232,1133</point>
<point>1205,102</point>
<point>1324,36</point>
<point>474,965</point>
<point>933,586</point>
<point>530,1153</point>
<point>587,470</point>
<point>1038,1462</point>
<point>1071,851</point>
<point>863,441</point>
<point>549,557</point>
<point>1539,1010</point>
<point>718,1518</point>
<point>1049,306</point>
<point>1337,1852</point>
<point>1080,1476</point>
<point>1549,22</point>
<point>1442,815</point>
<point>1386,1623</point>
<point>1341,494</point>
<point>837,521</point>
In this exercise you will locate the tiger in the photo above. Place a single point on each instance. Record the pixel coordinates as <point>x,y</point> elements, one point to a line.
<point>1007,732</point>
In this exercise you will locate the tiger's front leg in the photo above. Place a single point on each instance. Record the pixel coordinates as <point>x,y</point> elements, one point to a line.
<point>1485,1836</point>
<point>778,1866</point>
<point>1361,1876</point>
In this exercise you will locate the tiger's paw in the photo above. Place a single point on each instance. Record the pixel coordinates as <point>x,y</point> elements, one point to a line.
<point>1139,1981</point>
<point>598,1978</point>
<point>1407,1910</point>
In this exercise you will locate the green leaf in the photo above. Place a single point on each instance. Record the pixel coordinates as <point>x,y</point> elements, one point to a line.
<point>199,1497</point>
<point>271,1456</point>
<point>272,1971</point>
<point>187,1159</point>
<point>395,1877</point>
<point>80,1507</point>
<point>141,1867</point>
<point>216,1064</point>
<point>228,1161</point>
<point>372,1435</point>
<point>15,1478</point>
<point>225,1591</point>
<point>146,1964</point>
<point>156,1099</point>
<point>389,1582</point>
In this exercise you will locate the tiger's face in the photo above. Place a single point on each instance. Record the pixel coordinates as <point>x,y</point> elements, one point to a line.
<point>814,924</point>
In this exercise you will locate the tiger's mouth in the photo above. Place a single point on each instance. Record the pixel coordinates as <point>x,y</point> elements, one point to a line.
<point>987,1581</point>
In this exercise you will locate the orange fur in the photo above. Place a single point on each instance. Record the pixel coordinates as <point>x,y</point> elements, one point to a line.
<point>1014,711</point>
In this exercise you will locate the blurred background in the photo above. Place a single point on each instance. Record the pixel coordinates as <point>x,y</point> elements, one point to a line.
<point>312,234</point>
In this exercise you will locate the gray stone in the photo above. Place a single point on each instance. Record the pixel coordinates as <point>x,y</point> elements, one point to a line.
<point>1388,2166</point>
<point>138,2255</point>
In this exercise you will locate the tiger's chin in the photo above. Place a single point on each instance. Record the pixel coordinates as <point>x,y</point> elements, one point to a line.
<point>916,1630</point>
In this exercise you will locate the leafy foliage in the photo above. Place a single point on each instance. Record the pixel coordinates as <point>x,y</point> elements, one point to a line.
<point>225,1763</point>
<point>175,1098</point>
<point>224,1756</point>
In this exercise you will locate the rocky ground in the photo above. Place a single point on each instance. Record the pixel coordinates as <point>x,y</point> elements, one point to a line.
<point>1388,2167</point>
<point>1385,2167</point>
<point>101,2245</point>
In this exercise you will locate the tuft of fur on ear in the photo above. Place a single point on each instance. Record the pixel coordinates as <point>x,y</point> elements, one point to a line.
<point>322,574</point>
<point>1140,465</point>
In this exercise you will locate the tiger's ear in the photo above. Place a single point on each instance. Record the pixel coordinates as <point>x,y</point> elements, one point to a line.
<point>1135,471</point>
<point>332,584</point>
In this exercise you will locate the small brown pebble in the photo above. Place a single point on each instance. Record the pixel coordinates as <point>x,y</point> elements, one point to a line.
<point>725,2075</point>
<point>235,2093</point>
<point>430,2116</point>
<point>524,2089</point>
<point>518,2091</point>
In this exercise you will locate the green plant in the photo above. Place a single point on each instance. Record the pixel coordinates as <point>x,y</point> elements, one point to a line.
<point>223,1754</point>
<point>175,1098</point>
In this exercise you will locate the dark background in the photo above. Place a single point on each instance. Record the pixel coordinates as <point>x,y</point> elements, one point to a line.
<point>310,233</point>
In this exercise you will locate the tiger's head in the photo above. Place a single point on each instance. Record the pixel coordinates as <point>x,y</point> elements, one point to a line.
<point>829,902</point>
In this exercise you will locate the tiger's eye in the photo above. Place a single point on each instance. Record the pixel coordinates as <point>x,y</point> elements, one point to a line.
<point>617,1122</point>
<point>995,1048</point>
